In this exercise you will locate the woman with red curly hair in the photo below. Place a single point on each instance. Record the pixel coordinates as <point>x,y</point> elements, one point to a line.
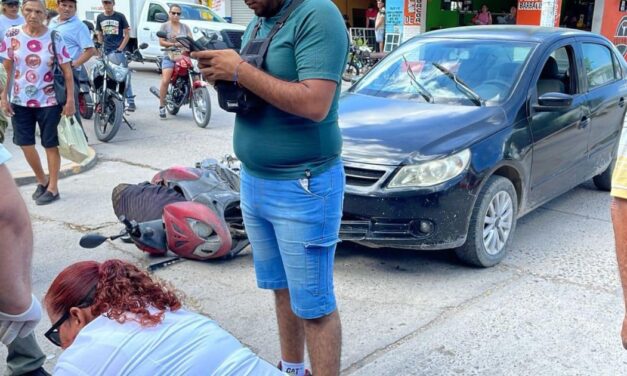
<point>112,319</point>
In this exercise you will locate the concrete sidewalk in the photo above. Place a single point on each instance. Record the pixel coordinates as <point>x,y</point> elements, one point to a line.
<point>22,172</point>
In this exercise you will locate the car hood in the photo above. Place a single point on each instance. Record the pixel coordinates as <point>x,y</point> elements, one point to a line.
<point>386,131</point>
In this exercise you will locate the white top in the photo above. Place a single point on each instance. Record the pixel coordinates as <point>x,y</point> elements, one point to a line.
<point>6,23</point>
<point>4,154</point>
<point>184,343</point>
<point>32,60</point>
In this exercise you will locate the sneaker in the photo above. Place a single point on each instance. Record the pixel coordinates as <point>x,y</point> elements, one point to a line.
<point>39,191</point>
<point>162,112</point>
<point>47,198</point>
<point>131,107</point>
<point>280,367</point>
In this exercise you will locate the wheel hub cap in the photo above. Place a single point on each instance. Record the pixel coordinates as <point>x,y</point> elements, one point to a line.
<point>497,224</point>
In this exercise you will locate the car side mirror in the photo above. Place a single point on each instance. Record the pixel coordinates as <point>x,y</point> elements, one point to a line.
<point>162,34</point>
<point>161,17</point>
<point>553,102</point>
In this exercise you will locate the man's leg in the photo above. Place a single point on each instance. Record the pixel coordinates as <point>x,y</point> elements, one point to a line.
<point>619,220</point>
<point>324,344</point>
<point>291,329</point>
<point>54,165</point>
<point>24,356</point>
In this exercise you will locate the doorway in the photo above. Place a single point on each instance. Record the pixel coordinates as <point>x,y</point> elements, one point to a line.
<point>577,14</point>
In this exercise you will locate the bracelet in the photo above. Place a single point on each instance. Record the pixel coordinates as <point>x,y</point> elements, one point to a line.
<point>235,74</point>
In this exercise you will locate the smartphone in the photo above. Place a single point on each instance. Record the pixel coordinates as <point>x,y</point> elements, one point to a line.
<point>189,43</point>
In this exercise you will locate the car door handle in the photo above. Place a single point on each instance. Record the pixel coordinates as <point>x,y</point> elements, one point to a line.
<point>621,102</point>
<point>585,121</point>
<point>146,29</point>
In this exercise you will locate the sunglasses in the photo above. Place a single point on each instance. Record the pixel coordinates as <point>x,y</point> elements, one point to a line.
<point>175,13</point>
<point>53,333</point>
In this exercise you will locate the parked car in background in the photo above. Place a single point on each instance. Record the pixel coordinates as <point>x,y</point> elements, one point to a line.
<point>458,133</point>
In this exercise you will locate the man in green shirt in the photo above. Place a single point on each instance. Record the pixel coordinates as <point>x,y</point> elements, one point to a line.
<point>292,183</point>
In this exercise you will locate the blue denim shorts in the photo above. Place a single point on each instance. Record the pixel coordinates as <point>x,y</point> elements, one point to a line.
<point>293,227</point>
<point>167,63</point>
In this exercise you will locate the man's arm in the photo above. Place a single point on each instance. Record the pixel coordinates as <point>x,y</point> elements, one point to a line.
<point>127,36</point>
<point>87,45</point>
<point>16,248</point>
<point>84,57</point>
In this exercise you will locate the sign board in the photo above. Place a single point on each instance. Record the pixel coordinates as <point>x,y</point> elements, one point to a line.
<point>412,18</point>
<point>394,16</point>
<point>539,12</point>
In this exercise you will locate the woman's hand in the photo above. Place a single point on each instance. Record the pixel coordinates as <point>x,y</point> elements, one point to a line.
<point>6,107</point>
<point>69,109</point>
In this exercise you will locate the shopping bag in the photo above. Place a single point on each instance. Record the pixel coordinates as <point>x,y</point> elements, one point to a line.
<point>72,143</point>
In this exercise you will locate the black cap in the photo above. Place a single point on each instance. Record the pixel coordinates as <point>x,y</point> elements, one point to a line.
<point>10,1</point>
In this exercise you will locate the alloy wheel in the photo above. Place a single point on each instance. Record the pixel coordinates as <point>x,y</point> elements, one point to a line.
<point>497,223</point>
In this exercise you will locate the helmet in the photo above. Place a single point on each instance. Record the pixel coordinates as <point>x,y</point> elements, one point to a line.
<point>194,231</point>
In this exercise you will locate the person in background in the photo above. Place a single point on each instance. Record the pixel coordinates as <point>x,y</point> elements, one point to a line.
<point>379,26</point>
<point>174,28</point>
<point>9,18</point>
<point>371,15</point>
<point>484,17</point>
<point>508,19</point>
<point>292,178</point>
<point>28,50</point>
<point>78,41</point>
<point>20,310</point>
<point>111,318</point>
<point>114,33</point>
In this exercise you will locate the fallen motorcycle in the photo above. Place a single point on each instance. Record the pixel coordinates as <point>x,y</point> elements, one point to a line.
<point>193,212</point>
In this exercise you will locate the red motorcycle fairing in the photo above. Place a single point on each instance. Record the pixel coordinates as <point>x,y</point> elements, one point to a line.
<point>194,231</point>
<point>181,66</point>
<point>199,83</point>
<point>175,173</point>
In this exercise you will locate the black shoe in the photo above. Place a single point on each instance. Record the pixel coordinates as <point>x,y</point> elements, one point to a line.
<point>131,107</point>
<point>47,198</point>
<point>39,191</point>
<point>162,112</point>
<point>37,372</point>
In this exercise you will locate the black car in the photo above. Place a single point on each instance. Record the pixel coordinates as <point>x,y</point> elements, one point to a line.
<point>459,132</point>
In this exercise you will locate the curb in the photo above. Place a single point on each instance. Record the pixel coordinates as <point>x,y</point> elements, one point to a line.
<point>67,169</point>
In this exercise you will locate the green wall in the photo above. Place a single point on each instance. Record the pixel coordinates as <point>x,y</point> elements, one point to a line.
<point>438,18</point>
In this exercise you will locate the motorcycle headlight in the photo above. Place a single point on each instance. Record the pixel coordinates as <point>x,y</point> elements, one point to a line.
<point>431,173</point>
<point>201,229</point>
<point>117,72</point>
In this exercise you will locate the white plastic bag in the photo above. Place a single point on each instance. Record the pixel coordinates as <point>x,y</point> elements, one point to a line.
<point>72,142</point>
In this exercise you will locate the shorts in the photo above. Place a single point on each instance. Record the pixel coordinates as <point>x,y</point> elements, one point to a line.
<point>378,35</point>
<point>293,227</point>
<point>167,63</point>
<point>25,120</point>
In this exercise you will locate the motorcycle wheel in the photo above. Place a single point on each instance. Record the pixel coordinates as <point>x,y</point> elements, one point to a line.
<point>85,105</point>
<point>107,123</point>
<point>350,72</point>
<point>201,106</point>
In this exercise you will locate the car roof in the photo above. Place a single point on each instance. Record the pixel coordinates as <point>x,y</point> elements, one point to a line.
<point>520,33</point>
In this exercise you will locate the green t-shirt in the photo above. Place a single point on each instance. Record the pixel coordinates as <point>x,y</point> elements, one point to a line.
<point>313,44</point>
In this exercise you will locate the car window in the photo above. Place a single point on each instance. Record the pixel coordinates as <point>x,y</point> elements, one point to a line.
<point>153,9</point>
<point>558,72</point>
<point>618,71</point>
<point>428,64</point>
<point>598,63</point>
<point>197,13</point>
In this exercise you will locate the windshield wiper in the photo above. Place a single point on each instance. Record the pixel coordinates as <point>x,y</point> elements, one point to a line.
<point>421,89</point>
<point>464,88</point>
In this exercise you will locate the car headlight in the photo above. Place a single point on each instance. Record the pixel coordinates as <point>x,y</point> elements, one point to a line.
<point>431,173</point>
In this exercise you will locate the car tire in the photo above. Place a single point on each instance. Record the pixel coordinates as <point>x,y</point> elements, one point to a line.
<point>487,243</point>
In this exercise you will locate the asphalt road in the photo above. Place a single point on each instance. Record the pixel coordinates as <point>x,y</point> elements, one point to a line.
<point>552,307</point>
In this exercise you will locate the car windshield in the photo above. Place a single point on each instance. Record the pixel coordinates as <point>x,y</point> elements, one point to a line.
<point>468,72</point>
<point>192,12</point>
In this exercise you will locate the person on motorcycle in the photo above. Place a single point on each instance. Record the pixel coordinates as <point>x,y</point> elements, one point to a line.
<point>174,28</point>
<point>77,39</point>
<point>114,33</point>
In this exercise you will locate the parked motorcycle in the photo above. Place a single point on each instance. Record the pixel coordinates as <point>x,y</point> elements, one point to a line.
<point>85,101</point>
<point>360,60</point>
<point>109,79</point>
<point>186,86</point>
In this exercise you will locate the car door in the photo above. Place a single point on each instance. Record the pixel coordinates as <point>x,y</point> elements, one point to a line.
<point>606,94</point>
<point>560,135</point>
<point>148,28</point>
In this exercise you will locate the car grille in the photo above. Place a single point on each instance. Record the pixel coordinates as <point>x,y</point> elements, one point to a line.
<point>362,177</point>
<point>233,38</point>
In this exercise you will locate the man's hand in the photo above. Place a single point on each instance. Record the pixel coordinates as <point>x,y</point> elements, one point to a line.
<point>12,326</point>
<point>218,64</point>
